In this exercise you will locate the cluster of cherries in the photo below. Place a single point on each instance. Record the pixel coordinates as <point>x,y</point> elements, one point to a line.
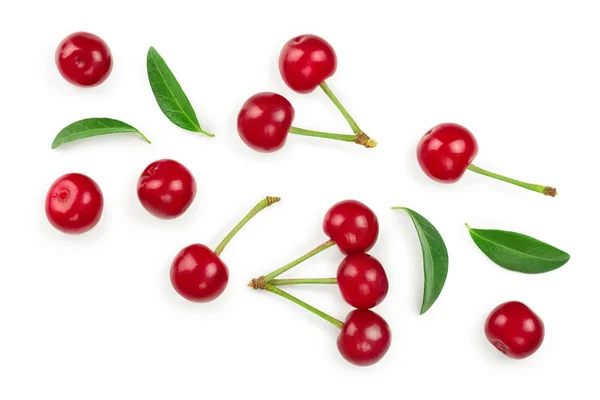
<point>365,337</point>
<point>266,118</point>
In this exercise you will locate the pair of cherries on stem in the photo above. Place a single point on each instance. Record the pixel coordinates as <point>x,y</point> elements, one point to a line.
<point>266,118</point>
<point>447,151</point>
<point>365,337</point>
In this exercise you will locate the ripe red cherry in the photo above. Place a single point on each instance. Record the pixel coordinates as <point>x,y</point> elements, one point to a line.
<point>74,204</point>
<point>84,59</point>
<point>445,152</point>
<point>352,226</point>
<point>166,189</point>
<point>365,338</point>
<point>305,62</point>
<point>515,330</point>
<point>362,281</point>
<point>198,274</point>
<point>264,121</point>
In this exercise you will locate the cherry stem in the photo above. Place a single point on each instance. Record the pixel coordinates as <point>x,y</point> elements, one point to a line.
<point>285,295</point>
<point>264,203</point>
<point>268,278</point>
<point>340,107</point>
<point>303,281</point>
<point>546,190</point>
<point>361,138</point>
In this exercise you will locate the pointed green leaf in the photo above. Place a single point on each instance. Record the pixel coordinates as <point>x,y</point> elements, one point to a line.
<point>89,127</point>
<point>169,95</point>
<point>518,252</point>
<point>435,258</point>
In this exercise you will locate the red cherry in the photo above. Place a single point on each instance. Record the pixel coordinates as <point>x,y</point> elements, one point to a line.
<point>445,152</point>
<point>352,226</point>
<point>515,330</point>
<point>84,59</point>
<point>362,281</point>
<point>166,189</point>
<point>264,121</point>
<point>198,274</point>
<point>74,203</point>
<point>305,62</point>
<point>365,338</point>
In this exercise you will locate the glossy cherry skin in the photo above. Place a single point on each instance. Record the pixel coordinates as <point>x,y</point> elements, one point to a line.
<point>306,61</point>
<point>264,121</point>
<point>515,330</point>
<point>365,338</point>
<point>84,59</point>
<point>166,189</point>
<point>445,152</point>
<point>362,281</point>
<point>352,226</point>
<point>74,204</point>
<point>198,274</point>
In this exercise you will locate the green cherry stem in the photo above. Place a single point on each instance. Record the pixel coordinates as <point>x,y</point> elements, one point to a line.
<point>285,295</point>
<point>268,278</point>
<point>304,281</point>
<point>340,107</point>
<point>360,138</point>
<point>264,203</point>
<point>546,190</point>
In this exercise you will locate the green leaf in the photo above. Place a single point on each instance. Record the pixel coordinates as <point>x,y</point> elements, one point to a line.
<point>169,95</point>
<point>89,127</point>
<point>518,252</point>
<point>435,258</point>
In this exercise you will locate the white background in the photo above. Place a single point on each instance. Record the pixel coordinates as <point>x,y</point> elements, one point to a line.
<point>95,317</point>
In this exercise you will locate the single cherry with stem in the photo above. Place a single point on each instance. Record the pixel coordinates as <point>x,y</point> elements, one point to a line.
<point>166,189</point>
<point>74,203</point>
<point>197,272</point>
<point>266,119</point>
<point>305,62</point>
<point>365,337</point>
<point>447,150</point>
<point>84,59</point>
<point>515,330</point>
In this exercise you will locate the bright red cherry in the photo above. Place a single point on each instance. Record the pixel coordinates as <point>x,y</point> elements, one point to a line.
<point>74,204</point>
<point>365,338</point>
<point>198,274</point>
<point>445,152</point>
<point>264,121</point>
<point>352,226</point>
<point>166,189</point>
<point>306,61</point>
<point>515,330</point>
<point>84,59</point>
<point>362,281</point>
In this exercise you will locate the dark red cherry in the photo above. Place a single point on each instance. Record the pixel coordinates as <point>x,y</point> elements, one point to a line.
<point>198,274</point>
<point>362,281</point>
<point>84,59</point>
<point>264,121</point>
<point>306,61</point>
<point>352,226</point>
<point>365,338</point>
<point>445,152</point>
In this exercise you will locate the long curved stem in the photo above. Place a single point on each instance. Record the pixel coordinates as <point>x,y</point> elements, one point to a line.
<point>340,107</point>
<point>360,138</point>
<point>285,295</point>
<point>264,203</point>
<point>268,278</point>
<point>304,281</point>
<point>546,190</point>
